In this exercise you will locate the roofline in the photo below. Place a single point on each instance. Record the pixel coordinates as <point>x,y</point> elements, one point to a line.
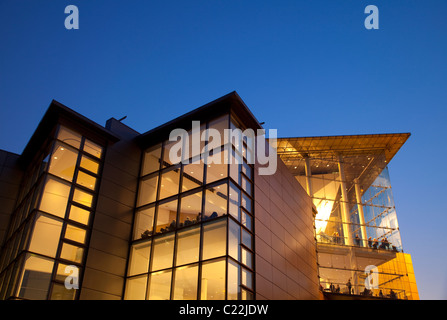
<point>408,134</point>
<point>55,113</point>
<point>225,104</point>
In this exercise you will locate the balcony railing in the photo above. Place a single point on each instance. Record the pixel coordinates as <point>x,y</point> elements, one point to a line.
<point>362,291</point>
<point>381,244</point>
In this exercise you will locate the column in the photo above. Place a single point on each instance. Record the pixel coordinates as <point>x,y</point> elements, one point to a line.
<point>308,176</point>
<point>344,203</point>
<point>358,196</point>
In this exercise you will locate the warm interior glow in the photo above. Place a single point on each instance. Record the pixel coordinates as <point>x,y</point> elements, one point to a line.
<point>324,209</point>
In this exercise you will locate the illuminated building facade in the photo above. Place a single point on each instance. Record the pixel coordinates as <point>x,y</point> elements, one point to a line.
<point>93,212</point>
<point>356,224</point>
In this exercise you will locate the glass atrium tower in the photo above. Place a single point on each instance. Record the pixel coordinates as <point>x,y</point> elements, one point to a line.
<point>356,224</point>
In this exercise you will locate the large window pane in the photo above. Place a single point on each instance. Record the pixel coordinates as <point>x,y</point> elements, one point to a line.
<point>160,285</point>
<point>213,280</point>
<point>89,164</point>
<point>72,253</point>
<point>192,176</point>
<point>247,239</point>
<point>139,258</point>
<point>75,234</point>
<point>83,197</point>
<point>63,161</point>
<point>215,202</point>
<point>188,242</point>
<point>214,239</point>
<point>70,137</point>
<point>92,148</point>
<point>247,170</point>
<point>59,292</point>
<point>218,124</point>
<point>35,279</point>
<point>79,215</point>
<point>234,239</point>
<point>46,235</point>
<point>166,157</point>
<point>247,185</point>
<point>55,197</point>
<point>185,287</point>
<point>136,288</point>
<point>246,220</point>
<point>216,166</point>
<point>247,257</point>
<point>190,209</point>
<point>233,280</point>
<point>163,253</point>
<point>86,180</point>
<point>166,216</point>
<point>196,141</point>
<point>246,202</point>
<point>144,221</point>
<point>151,160</point>
<point>247,278</point>
<point>147,192</point>
<point>234,204</point>
<point>169,184</point>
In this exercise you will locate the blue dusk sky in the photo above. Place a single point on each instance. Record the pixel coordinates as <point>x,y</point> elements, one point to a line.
<point>305,68</point>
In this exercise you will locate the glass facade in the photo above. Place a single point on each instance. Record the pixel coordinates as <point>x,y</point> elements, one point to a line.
<point>47,240</point>
<point>193,226</point>
<point>355,223</point>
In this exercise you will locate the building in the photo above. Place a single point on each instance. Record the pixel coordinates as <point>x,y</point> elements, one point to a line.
<point>93,212</point>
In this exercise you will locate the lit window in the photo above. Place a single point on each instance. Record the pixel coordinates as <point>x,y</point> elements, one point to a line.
<point>83,197</point>
<point>86,180</point>
<point>55,197</point>
<point>233,280</point>
<point>92,148</point>
<point>151,160</point>
<point>213,280</point>
<point>169,184</point>
<point>72,253</point>
<point>89,164</point>
<point>70,137</point>
<point>139,258</point>
<point>163,252</point>
<point>148,190</point>
<point>75,234</point>
<point>63,161</point>
<point>144,221</point>
<point>216,166</point>
<point>215,202</point>
<point>136,288</point>
<point>35,279</point>
<point>188,242</point>
<point>185,286</point>
<point>79,215</point>
<point>60,292</point>
<point>46,234</point>
<point>214,239</point>
<point>247,258</point>
<point>160,285</point>
<point>190,210</point>
<point>192,176</point>
<point>166,217</point>
<point>247,278</point>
